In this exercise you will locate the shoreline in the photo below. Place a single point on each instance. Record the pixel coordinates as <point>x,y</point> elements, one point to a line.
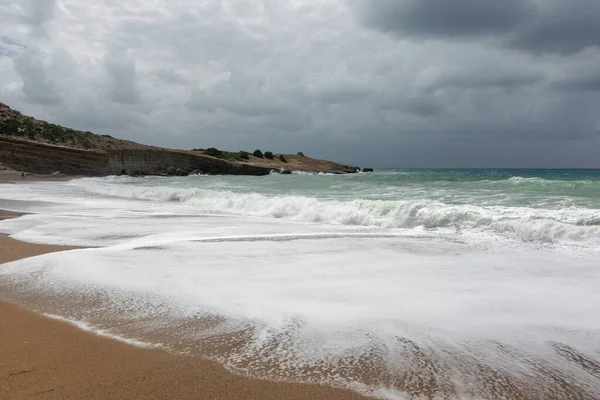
<point>53,359</point>
<point>14,177</point>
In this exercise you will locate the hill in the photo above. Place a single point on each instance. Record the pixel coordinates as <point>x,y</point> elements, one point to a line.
<point>32,145</point>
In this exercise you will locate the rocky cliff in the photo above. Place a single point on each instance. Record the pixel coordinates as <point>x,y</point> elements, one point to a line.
<point>174,162</point>
<point>44,158</point>
<point>31,145</point>
<point>41,158</point>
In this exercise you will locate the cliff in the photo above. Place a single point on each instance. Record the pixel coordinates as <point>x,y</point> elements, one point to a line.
<point>42,158</point>
<point>174,162</point>
<point>31,145</point>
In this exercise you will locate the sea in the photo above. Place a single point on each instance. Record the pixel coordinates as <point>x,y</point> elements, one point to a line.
<point>399,284</point>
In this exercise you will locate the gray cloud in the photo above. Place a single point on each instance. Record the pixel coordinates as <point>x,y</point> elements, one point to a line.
<point>36,15</point>
<point>470,86</point>
<point>10,47</point>
<point>122,77</point>
<point>498,76</point>
<point>435,18</point>
<point>423,106</point>
<point>538,26</point>
<point>38,86</point>
<point>583,80</point>
<point>560,26</point>
<point>171,77</point>
<point>38,12</point>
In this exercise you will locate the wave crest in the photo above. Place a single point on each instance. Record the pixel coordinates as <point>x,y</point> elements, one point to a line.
<point>570,224</point>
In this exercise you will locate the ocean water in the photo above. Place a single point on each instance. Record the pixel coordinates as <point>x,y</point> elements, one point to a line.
<point>399,284</point>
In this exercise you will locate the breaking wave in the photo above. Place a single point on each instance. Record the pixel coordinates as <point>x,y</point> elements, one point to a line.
<point>569,224</point>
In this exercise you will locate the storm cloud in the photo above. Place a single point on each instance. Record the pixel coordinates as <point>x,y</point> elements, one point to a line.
<point>539,26</point>
<point>383,83</point>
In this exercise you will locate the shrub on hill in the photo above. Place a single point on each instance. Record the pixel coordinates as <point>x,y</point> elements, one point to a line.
<point>269,155</point>
<point>214,152</point>
<point>282,158</point>
<point>244,155</point>
<point>301,154</point>
<point>258,153</point>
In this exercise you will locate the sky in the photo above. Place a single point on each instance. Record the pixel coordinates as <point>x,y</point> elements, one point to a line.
<point>376,83</point>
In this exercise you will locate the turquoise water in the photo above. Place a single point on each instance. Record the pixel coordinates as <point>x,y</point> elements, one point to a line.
<point>543,206</point>
<point>506,186</point>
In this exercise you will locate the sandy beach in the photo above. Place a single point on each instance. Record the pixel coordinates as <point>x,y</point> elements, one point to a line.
<point>8,175</point>
<point>49,359</point>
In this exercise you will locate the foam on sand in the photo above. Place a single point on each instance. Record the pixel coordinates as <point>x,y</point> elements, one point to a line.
<point>340,305</point>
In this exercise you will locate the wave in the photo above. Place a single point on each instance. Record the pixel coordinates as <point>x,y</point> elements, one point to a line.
<point>519,180</point>
<point>307,173</point>
<point>571,224</point>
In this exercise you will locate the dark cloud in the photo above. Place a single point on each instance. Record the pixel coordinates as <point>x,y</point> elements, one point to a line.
<point>423,106</point>
<point>443,18</point>
<point>478,77</point>
<point>537,26</point>
<point>560,26</point>
<point>580,81</point>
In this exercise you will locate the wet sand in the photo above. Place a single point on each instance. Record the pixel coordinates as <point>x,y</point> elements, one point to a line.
<point>44,358</point>
<point>11,176</point>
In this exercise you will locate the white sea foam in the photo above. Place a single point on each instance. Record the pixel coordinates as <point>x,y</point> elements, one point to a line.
<point>333,300</point>
<point>84,326</point>
<point>569,224</point>
<point>324,282</point>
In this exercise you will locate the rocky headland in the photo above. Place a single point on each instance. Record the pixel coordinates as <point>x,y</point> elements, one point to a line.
<point>31,145</point>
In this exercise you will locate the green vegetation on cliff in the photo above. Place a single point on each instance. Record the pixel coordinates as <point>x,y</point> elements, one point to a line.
<point>16,125</point>
<point>214,152</point>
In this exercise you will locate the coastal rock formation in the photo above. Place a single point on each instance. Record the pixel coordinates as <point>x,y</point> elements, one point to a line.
<point>173,162</point>
<point>41,158</point>
<point>31,145</point>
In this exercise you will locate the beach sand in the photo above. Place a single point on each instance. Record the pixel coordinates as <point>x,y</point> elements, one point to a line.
<point>44,358</point>
<point>8,175</point>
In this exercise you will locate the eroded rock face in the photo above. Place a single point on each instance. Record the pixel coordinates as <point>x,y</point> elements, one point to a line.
<point>46,159</point>
<point>175,163</point>
<point>42,158</point>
